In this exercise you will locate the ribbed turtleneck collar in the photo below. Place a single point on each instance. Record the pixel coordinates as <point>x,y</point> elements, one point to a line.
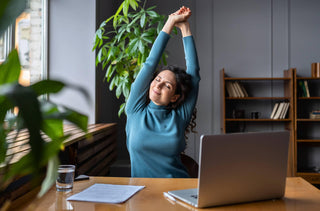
<point>152,105</point>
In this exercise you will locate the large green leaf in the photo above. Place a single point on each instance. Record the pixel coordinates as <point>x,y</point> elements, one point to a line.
<point>29,109</point>
<point>52,125</point>
<point>9,11</point>
<point>47,86</point>
<point>77,118</point>
<point>10,69</point>
<point>51,175</point>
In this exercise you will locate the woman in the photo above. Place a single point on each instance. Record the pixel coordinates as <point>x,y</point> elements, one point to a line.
<point>159,113</point>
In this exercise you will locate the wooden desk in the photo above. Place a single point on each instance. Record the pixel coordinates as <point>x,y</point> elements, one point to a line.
<point>299,195</point>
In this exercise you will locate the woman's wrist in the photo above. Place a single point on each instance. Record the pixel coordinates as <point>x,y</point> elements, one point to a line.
<point>185,29</point>
<point>168,26</point>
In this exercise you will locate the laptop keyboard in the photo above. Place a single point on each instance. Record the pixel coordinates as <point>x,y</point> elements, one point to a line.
<point>194,196</point>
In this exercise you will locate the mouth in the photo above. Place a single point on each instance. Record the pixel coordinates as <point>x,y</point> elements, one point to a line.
<point>156,92</point>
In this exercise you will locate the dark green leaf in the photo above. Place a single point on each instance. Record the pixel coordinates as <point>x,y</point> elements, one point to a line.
<point>133,4</point>
<point>118,91</point>
<point>143,20</point>
<point>102,25</point>
<point>26,100</point>
<point>47,87</point>
<point>10,69</point>
<point>3,144</point>
<point>112,84</point>
<point>106,21</point>
<point>152,14</point>
<point>77,118</point>
<point>9,11</point>
<point>51,175</point>
<point>99,56</point>
<point>51,126</point>
<point>141,46</point>
<point>115,18</point>
<point>151,8</point>
<point>125,9</point>
<point>99,33</point>
<point>121,110</point>
<point>108,72</point>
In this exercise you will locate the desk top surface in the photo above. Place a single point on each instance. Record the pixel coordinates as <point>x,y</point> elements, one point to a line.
<point>299,195</point>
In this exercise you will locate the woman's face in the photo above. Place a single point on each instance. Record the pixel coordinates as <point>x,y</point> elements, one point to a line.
<point>162,88</point>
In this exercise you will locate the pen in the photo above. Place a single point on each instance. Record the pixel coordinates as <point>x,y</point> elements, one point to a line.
<point>168,196</point>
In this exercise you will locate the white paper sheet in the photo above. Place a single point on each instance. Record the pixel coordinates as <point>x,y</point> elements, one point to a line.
<point>106,193</point>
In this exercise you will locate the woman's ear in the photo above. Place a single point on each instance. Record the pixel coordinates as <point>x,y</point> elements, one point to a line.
<point>174,98</point>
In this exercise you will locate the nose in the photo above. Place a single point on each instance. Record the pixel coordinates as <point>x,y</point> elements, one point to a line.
<point>159,85</point>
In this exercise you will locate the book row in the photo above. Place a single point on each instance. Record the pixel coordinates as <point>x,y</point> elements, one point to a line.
<point>304,88</point>
<point>235,89</point>
<point>280,110</point>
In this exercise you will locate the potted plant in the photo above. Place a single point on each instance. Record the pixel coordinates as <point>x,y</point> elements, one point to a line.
<point>123,47</point>
<point>36,115</point>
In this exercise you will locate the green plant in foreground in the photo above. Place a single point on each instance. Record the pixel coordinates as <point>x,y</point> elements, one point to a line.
<point>125,46</point>
<point>36,115</point>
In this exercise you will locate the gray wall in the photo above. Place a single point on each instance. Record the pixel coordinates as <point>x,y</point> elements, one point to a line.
<point>251,38</point>
<point>71,33</point>
<point>246,37</point>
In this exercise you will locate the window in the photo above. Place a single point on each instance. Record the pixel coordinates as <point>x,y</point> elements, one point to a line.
<point>5,44</point>
<point>29,36</point>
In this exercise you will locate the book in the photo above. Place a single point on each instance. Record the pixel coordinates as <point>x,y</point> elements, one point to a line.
<point>244,90</point>
<point>303,89</point>
<point>237,91</point>
<point>285,110</point>
<point>238,87</point>
<point>229,90</point>
<point>307,88</point>
<point>279,110</point>
<point>275,107</point>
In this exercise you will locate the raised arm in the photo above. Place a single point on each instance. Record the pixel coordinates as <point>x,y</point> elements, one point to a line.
<point>140,86</point>
<point>192,64</point>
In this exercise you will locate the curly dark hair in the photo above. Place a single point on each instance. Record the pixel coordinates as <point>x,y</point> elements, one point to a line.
<point>183,88</point>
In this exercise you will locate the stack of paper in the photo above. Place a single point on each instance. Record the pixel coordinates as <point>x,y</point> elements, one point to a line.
<point>106,193</point>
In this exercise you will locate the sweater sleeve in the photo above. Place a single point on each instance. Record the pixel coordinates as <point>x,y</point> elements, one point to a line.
<point>193,68</point>
<point>139,88</point>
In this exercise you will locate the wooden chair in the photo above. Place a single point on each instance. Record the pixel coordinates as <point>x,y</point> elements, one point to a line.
<point>191,165</point>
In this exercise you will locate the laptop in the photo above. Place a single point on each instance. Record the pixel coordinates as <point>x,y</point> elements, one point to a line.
<point>238,168</point>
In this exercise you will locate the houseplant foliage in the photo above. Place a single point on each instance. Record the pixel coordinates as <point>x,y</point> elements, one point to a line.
<point>123,47</point>
<point>35,114</point>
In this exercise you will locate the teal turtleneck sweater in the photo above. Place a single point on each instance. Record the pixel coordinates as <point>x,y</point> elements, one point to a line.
<point>155,134</point>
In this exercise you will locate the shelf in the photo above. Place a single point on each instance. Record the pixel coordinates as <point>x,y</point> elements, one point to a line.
<point>309,98</point>
<point>257,120</point>
<point>308,140</point>
<point>308,120</point>
<point>258,98</point>
<point>256,79</point>
<point>307,78</point>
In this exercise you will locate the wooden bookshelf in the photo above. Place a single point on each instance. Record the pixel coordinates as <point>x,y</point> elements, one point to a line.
<point>307,133</point>
<point>262,95</point>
